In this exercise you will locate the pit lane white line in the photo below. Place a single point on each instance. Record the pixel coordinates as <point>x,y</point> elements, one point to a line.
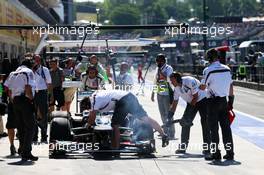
<point>248,115</point>
<point>248,92</point>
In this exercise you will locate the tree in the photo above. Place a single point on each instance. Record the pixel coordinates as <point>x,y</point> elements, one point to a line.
<point>125,14</point>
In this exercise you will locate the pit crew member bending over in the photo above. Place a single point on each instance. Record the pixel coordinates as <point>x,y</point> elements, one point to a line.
<point>122,103</point>
<point>187,88</point>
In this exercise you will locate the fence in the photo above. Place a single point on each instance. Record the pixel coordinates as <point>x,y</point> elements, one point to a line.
<point>239,72</point>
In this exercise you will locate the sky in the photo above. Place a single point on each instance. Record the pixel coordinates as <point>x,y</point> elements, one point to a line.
<point>89,0</point>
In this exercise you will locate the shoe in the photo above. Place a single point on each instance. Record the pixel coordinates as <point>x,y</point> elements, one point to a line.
<point>3,135</point>
<point>229,157</point>
<point>12,150</point>
<point>180,151</point>
<point>29,157</point>
<point>165,140</point>
<point>215,156</point>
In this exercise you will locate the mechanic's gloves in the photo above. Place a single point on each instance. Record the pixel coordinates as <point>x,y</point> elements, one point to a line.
<point>230,102</point>
<point>165,140</point>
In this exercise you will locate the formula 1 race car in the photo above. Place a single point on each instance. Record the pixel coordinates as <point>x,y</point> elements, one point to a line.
<point>69,135</point>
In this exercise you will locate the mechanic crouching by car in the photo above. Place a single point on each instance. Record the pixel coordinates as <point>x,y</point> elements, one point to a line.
<point>91,79</point>
<point>187,88</point>
<point>122,103</point>
<point>21,85</point>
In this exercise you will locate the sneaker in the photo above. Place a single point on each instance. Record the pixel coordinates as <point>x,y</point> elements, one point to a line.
<point>29,157</point>
<point>215,156</point>
<point>165,141</point>
<point>12,150</point>
<point>180,151</point>
<point>229,157</point>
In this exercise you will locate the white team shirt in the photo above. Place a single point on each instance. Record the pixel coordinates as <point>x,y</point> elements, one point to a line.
<point>124,79</point>
<point>42,78</point>
<point>190,86</point>
<point>167,71</point>
<point>18,79</point>
<point>217,77</point>
<point>105,101</point>
<point>93,83</point>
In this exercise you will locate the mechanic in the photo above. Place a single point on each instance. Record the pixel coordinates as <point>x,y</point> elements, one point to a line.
<point>122,103</point>
<point>43,85</point>
<point>187,88</point>
<point>91,79</point>
<point>164,92</point>
<point>21,85</point>
<point>124,80</point>
<point>218,83</point>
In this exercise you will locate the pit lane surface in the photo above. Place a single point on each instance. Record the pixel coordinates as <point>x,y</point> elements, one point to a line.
<point>249,156</point>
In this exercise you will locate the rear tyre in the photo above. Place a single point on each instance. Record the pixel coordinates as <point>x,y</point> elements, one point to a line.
<point>60,130</point>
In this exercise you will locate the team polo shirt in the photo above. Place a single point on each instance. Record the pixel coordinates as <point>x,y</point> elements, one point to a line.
<point>42,77</point>
<point>217,77</point>
<point>190,86</point>
<point>105,101</point>
<point>124,79</point>
<point>18,79</point>
<point>93,83</point>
